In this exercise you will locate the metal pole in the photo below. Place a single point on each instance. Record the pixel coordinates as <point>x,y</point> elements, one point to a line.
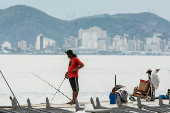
<point>9,87</point>
<point>115,80</point>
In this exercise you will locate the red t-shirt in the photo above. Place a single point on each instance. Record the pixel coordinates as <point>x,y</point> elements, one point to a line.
<point>74,63</point>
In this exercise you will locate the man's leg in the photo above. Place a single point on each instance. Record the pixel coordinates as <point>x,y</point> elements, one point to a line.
<point>75,87</point>
<point>75,94</point>
<point>72,86</point>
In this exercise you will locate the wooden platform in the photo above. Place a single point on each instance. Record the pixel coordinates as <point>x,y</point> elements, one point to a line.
<point>86,104</point>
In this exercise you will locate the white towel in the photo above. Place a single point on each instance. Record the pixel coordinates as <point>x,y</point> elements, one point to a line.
<point>155,79</point>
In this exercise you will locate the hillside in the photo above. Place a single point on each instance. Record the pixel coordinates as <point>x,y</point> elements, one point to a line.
<point>140,25</point>
<point>25,23</point>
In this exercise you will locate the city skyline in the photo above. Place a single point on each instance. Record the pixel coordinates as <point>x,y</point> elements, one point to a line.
<point>94,40</point>
<point>69,10</point>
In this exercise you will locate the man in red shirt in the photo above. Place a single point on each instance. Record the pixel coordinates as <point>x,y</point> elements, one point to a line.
<point>74,65</point>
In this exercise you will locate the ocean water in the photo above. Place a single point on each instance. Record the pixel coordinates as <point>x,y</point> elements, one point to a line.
<point>96,79</point>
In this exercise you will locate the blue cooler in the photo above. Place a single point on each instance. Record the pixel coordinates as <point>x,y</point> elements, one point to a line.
<point>113,98</point>
<point>164,97</point>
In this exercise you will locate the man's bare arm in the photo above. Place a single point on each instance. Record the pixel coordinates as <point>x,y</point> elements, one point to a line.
<point>79,67</point>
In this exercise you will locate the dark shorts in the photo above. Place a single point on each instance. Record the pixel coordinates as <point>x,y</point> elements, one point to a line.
<point>74,83</point>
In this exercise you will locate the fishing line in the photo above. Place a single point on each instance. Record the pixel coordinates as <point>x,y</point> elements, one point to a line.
<point>52,86</point>
<point>58,89</point>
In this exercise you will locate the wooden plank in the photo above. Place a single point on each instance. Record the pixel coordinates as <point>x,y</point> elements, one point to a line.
<point>143,92</point>
<point>137,94</point>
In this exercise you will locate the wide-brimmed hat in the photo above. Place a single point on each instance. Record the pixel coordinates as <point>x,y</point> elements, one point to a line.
<point>71,53</point>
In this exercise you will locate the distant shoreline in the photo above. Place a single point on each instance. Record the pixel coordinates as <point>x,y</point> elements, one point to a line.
<point>84,54</point>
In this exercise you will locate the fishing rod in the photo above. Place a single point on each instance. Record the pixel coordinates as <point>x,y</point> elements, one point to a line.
<point>52,86</point>
<point>58,89</point>
<point>9,87</point>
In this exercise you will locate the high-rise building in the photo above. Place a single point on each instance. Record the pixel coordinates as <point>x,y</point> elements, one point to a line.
<point>152,47</point>
<point>154,40</point>
<point>43,43</point>
<point>6,44</point>
<point>88,37</point>
<point>51,45</point>
<point>139,45</point>
<point>149,40</point>
<point>168,45</point>
<point>99,31</point>
<point>152,44</point>
<point>163,45</point>
<point>39,42</point>
<point>51,42</point>
<point>80,33</point>
<point>22,45</point>
<point>101,43</point>
<point>132,45</point>
<point>108,43</point>
<point>119,43</point>
<point>71,42</point>
<point>79,41</point>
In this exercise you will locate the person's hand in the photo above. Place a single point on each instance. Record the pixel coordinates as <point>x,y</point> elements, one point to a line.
<point>66,75</point>
<point>74,70</point>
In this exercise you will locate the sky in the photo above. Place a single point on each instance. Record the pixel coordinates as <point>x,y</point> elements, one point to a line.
<point>72,9</point>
